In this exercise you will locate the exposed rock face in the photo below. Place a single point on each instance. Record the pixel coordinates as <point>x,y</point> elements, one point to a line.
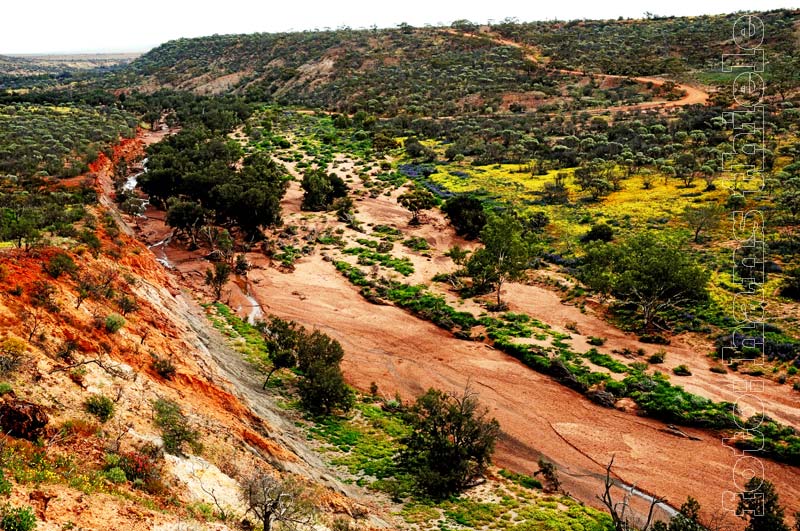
<point>604,398</point>
<point>22,419</point>
<point>561,373</point>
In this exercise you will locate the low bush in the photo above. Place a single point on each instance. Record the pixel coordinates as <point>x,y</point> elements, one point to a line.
<point>11,353</point>
<point>658,357</point>
<point>17,518</point>
<point>604,360</point>
<point>521,479</point>
<point>681,370</point>
<point>175,428</point>
<point>163,367</point>
<point>139,467</point>
<point>417,244</point>
<point>59,264</point>
<point>100,406</point>
<point>115,475</point>
<point>431,307</point>
<point>114,323</point>
<point>367,256</point>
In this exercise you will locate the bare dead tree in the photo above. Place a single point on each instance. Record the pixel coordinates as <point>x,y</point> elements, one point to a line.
<point>223,511</point>
<point>112,370</point>
<point>31,322</point>
<point>620,510</point>
<point>274,500</point>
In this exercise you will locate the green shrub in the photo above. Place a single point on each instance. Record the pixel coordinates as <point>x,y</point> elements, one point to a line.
<point>115,475</point>
<point>11,353</point>
<point>596,341</point>
<point>5,484</point>
<point>163,367</point>
<point>174,425</point>
<point>604,360</point>
<point>114,323</point>
<point>618,389</point>
<point>17,519</point>
<point>682,370</point>
<point>658,357</point>
<point>600,232</point>
<point>100,406</point>
<point>718,369</point>
<point>417,244</point>
<point>59,264</point>
<point>521,479</point>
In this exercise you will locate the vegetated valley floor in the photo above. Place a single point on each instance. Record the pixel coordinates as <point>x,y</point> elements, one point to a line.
<point>405,354</point>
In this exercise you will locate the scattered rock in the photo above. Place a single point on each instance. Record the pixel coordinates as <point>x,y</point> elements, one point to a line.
<point>40,500</point>
<point>561,373</point>
<point>626,404</point>
<point>677,432</point>
<point>604,398</point>
<point>21,419</point>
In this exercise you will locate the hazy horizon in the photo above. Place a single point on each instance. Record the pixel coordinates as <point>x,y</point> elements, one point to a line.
<point>94,27</point>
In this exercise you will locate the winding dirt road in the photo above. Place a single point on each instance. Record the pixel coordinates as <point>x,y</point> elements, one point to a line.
<point>692,96</point>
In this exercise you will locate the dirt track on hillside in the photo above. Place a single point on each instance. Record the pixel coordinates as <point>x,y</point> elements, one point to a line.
<point>693,95</point>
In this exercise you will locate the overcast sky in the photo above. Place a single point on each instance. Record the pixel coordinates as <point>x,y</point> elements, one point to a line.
<point>50,26</point>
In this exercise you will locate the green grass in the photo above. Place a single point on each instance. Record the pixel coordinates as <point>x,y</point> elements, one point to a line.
<point>417,244</point>
<point>247,338</point>
<point>365,443</point>
<point>604,360</point>
<point>367,256</point>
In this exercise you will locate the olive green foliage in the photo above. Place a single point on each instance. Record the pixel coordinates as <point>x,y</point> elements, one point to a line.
<point>322,388</point>
<point>17,518</point>
<point>653,273</point>
<point>506,254</point>
<point>654,45</point>
<point>600,232</point>
<point>100,406</point>
<point>416,200</point>
<point>759,506</point>
<point>367,256</point>
<point>57,140</point>
<point>217,277</point>
<point>114,323</point>
<point>59,264</point>
<point>320,190</point>
<point>451,443</point>
<point>163,367</point>
<point>176,430</point>
<point>277,344</point>
<point>186,217</point>
<point>687,519</point>
<point>432,72</point>
<point>200,165</point>
<point>704,218</point>
<point>466,215</point>
<point>283,341</point>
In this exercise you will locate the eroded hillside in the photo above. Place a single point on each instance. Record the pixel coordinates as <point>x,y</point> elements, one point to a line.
<point>104,323</point>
